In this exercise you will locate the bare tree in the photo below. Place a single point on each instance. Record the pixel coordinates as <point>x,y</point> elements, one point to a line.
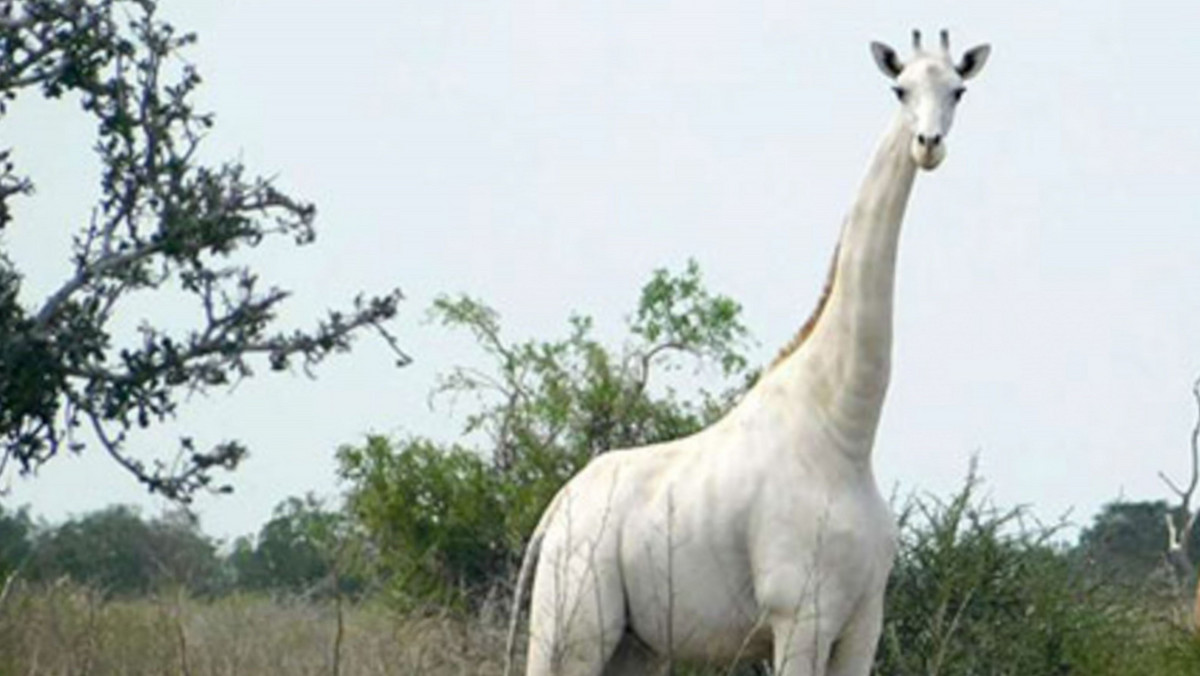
<point>1181,521</point>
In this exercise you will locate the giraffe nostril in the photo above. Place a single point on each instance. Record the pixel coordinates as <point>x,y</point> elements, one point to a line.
<point>929,141</point>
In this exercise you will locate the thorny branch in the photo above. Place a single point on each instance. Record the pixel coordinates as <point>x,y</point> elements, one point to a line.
<point>163,222</point>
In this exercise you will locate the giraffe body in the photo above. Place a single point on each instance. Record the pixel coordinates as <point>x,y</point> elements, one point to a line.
<point>763,535</point>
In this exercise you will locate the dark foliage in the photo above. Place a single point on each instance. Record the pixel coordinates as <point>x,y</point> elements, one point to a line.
<point>118,552</point>
<point>1127,543</point>
<point>16,541</point>
<point>303,550</point>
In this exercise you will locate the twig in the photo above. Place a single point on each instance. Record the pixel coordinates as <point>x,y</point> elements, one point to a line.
<point>181,635</point>
<point>338,637</point>
<point>8,583</point>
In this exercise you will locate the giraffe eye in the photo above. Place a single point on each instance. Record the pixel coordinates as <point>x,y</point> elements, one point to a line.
<point>901,94</point>
<point>958,93</point>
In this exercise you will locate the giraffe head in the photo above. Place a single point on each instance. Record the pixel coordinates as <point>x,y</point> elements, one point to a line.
<point>929,88</point>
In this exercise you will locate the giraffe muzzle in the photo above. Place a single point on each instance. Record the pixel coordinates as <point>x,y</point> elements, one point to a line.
<point>928,151</point>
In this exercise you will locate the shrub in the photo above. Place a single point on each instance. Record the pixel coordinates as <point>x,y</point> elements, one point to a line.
<point>982,591</point>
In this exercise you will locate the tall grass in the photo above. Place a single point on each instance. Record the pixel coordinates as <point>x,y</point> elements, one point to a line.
<point>70,629</point>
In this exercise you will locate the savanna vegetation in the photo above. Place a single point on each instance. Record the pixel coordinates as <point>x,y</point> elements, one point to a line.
<point>408,571</point>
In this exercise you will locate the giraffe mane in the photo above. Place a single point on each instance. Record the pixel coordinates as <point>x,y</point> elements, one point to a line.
<point>811,323</point>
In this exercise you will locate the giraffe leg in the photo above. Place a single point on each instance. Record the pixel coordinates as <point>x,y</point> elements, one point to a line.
<point>854,652</point>
<point>577,615</point>
<point>800,649</point>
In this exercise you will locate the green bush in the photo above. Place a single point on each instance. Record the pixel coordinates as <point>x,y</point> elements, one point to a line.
<point>435,515</point>
<point>448,521</point>
<point>304,549</point>
<point>982,591</point>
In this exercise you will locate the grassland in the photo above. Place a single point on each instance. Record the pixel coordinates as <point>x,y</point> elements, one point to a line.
<point>67,629</point>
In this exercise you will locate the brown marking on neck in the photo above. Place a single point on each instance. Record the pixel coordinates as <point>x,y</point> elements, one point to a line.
<point>811,323</point>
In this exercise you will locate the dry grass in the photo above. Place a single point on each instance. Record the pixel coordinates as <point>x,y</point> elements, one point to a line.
<point>70,630</point>
<point>67,629</point>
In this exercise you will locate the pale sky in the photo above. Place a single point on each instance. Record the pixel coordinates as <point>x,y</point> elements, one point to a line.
<point>546,157</point>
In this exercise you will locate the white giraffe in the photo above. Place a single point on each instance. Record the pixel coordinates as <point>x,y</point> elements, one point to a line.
<point>764,535</point>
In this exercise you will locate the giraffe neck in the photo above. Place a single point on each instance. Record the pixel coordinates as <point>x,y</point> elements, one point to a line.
<point>845,362</point>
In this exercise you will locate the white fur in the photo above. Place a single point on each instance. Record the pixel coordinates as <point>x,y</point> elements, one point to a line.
<point>763,535</point>
<point>931,85</point>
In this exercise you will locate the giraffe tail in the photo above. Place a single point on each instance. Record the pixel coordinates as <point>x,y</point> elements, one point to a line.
<point>524,580</point>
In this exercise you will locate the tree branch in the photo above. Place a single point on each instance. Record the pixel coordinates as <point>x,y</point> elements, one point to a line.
<point>163,223</point>
<point>1181,524</point>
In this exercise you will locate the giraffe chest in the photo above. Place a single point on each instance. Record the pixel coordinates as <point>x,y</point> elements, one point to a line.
<point>832,537</point>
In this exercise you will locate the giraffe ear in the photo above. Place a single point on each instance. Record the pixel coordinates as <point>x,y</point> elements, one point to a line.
<point>972,62</point>
<point>886,59</point>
